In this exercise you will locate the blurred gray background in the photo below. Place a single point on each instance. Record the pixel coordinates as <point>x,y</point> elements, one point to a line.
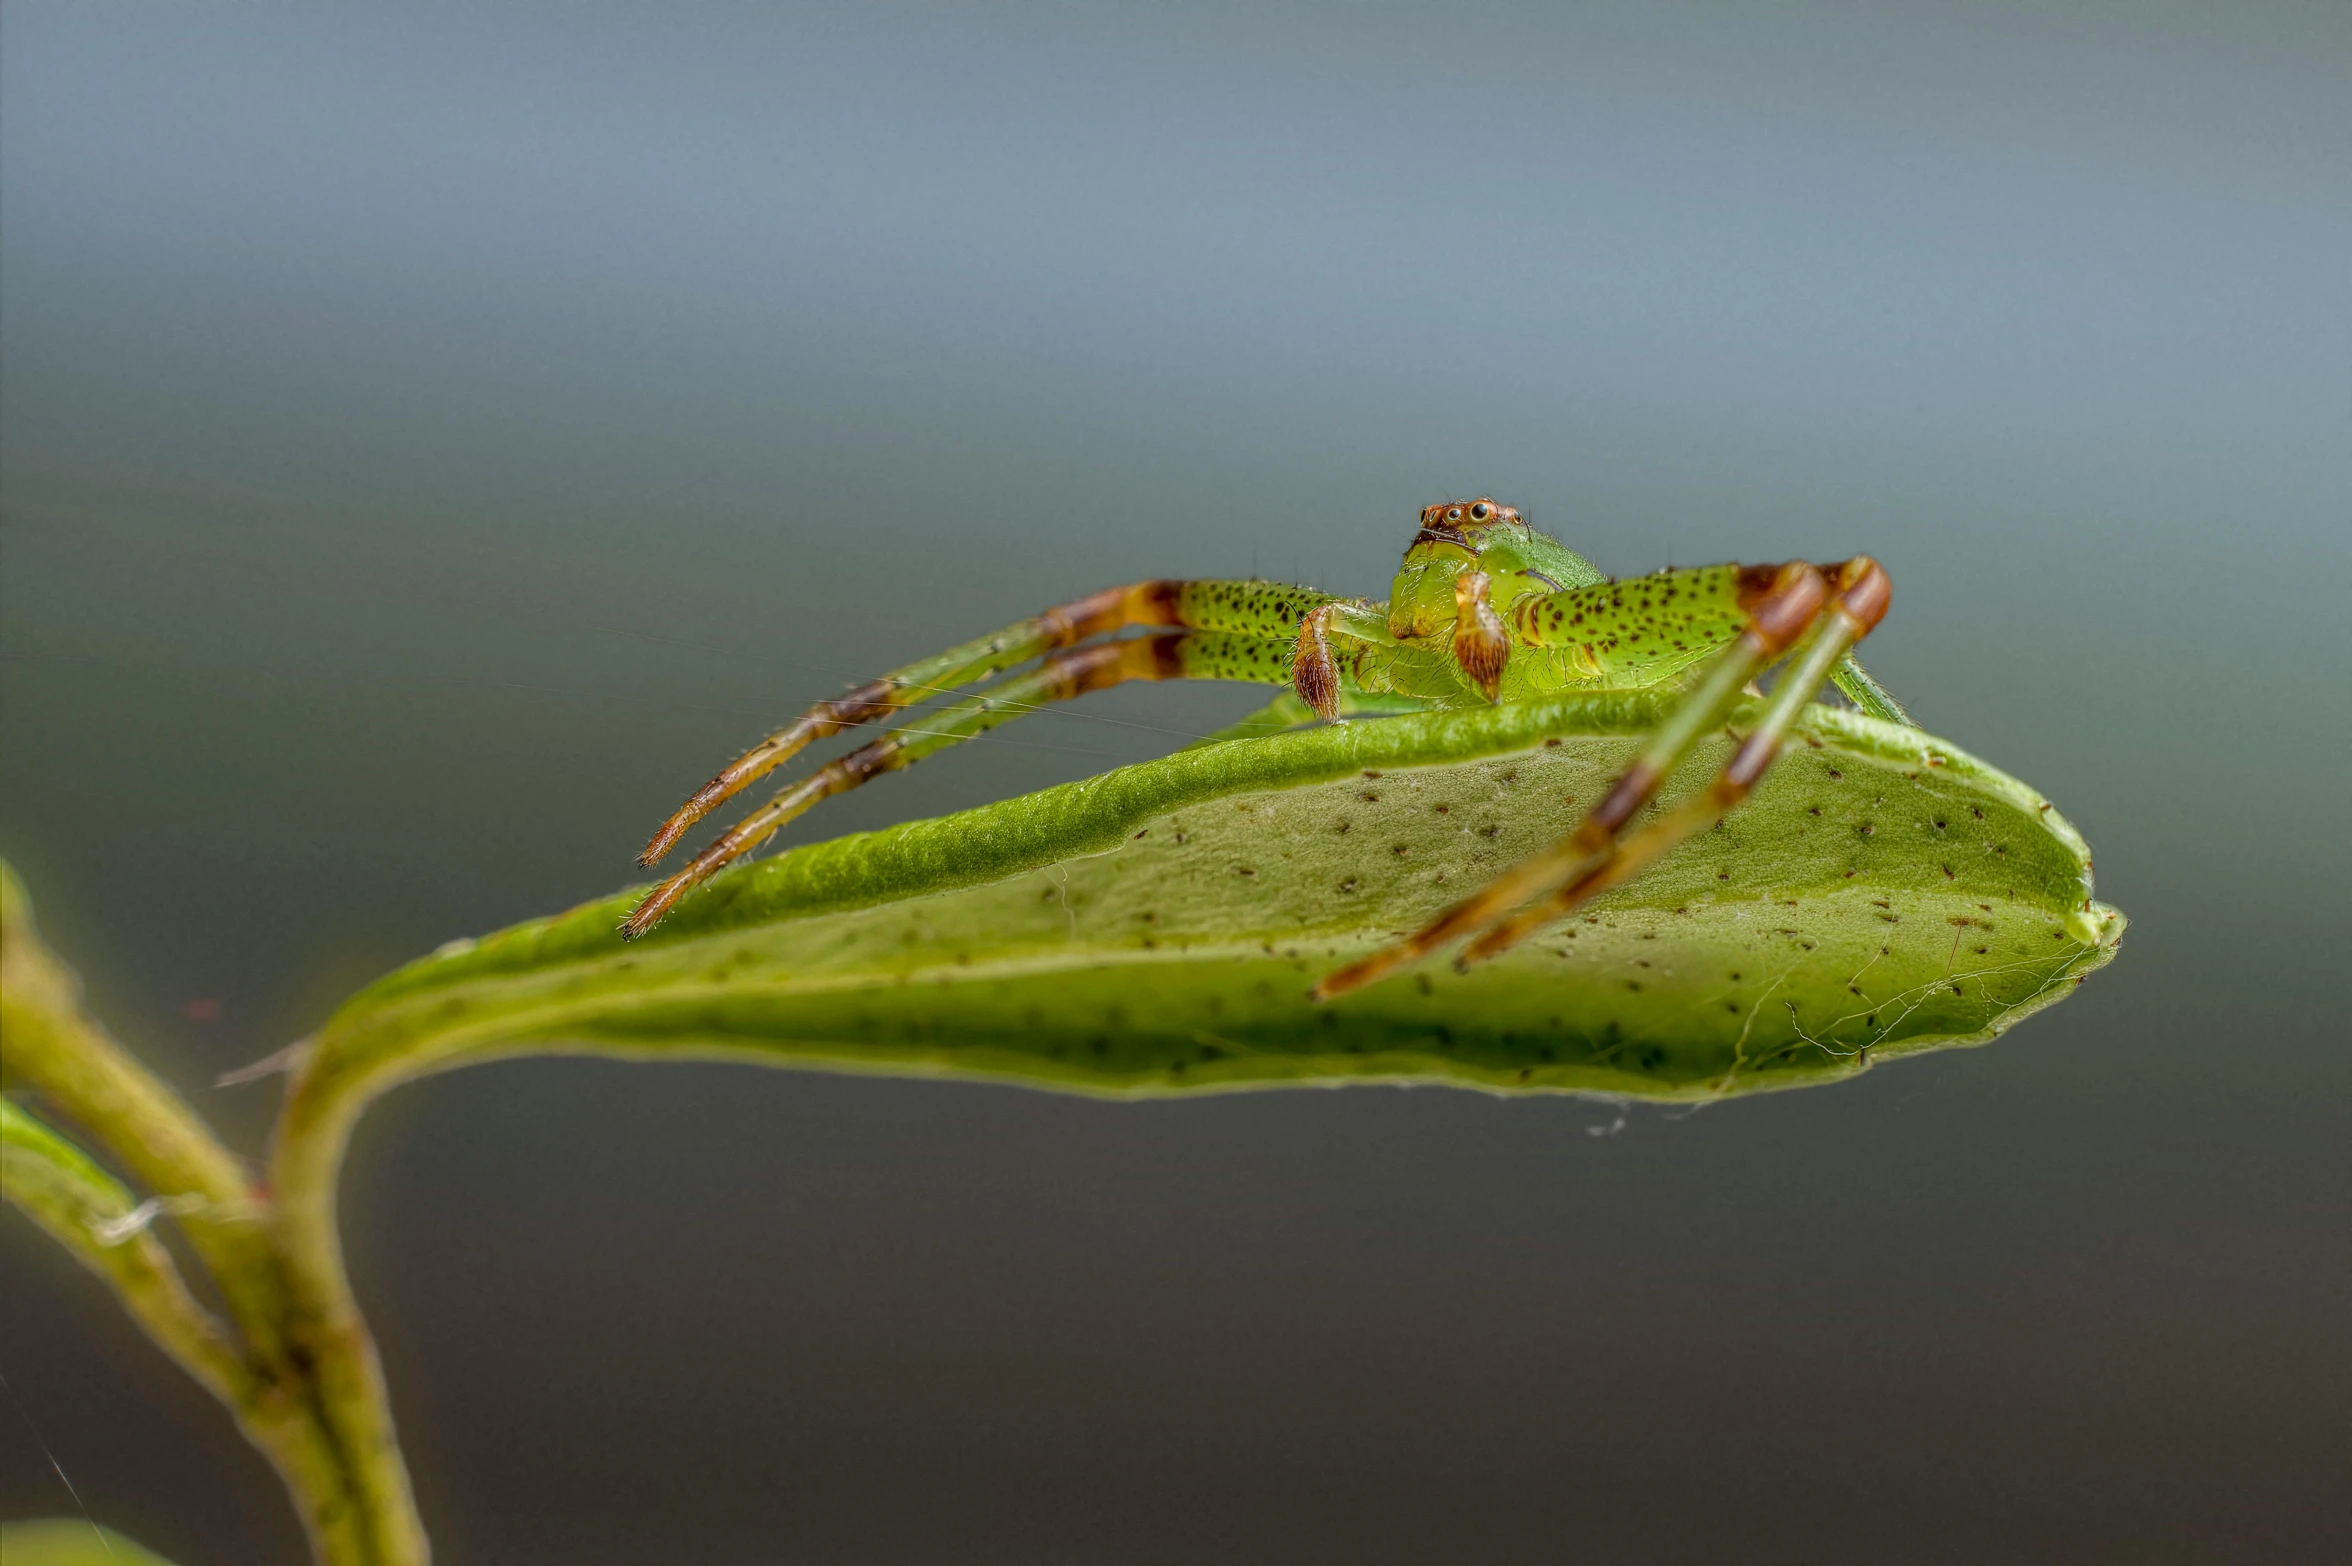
<point>435,438</point>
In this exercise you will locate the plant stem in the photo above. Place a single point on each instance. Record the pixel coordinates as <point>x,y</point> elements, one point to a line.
<point>92,1214</point>
<point>324,1324</point>
<point>55,1047</point>
<point>309,1395</point>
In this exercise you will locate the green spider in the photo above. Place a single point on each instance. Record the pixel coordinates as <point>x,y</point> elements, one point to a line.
<point>1485,609</point>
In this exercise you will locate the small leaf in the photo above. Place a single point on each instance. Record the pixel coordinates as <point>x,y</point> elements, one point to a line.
<point>1157,929</point>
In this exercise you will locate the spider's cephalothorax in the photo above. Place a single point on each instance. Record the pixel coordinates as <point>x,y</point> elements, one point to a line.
<point>1483,609</point>
<point>1470,562</point>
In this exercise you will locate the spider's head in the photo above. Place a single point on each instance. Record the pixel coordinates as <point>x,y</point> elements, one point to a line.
<point>1475,535</point>
<point>1455,536</point>
<point>1464,522</point>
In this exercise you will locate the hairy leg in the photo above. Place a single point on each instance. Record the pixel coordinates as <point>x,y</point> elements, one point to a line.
<point>1257,608</point>
<point>1867,695</point>
<point>1067,672</point>
<point>1290,711</point>
<point>1647,627</point>
<point>1643,630</point>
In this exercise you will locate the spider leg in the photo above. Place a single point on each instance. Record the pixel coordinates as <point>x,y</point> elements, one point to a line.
<point>1066,672</point>
<point>1290,711</point>
<point>1780,604</point>
<point>1867,695</point>
<point>1262,607</point>
<point>1848,618</point>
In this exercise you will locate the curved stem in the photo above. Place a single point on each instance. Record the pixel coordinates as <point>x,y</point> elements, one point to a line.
<point>323,1322</point>
<point>54,1046</point>
<point>312,1402</point>
<point>92,1214</point>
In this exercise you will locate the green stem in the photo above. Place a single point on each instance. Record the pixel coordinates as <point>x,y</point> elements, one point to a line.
<point>92,1214</point>
<point>324,1323</point>
<point>55,1047</point>
<point>312,1401</point>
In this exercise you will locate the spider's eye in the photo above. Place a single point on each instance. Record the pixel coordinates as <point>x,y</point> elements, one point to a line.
<point>1481,511</point>
<point>1454,515</point>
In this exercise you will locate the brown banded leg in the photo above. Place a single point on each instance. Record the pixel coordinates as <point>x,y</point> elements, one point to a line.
<point>1780,602</point>
<point>1140,603</point>
<point>1067,672</point>
<point>1253,608</point>
<point>1862,594</point>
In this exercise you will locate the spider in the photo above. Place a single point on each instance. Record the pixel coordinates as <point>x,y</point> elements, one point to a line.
<point>1484,609</point>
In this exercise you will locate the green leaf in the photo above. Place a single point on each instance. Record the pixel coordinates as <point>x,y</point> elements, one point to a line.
<point>1156,929</point>
<point>92,1214</point>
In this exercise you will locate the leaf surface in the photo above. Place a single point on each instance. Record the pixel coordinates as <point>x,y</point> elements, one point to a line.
<point>1156,929</point>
